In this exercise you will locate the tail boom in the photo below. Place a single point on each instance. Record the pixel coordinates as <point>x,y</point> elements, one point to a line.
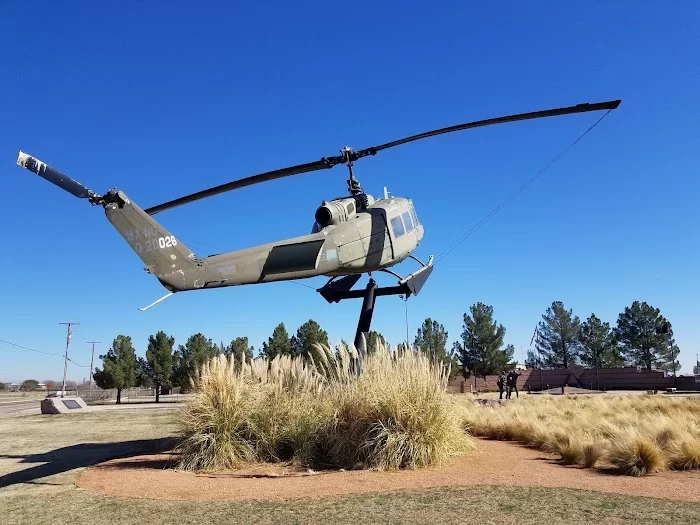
<point>175,266</point>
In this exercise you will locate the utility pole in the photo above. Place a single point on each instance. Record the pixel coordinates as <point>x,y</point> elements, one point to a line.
<point>65,360</point>
<point>91,358</point>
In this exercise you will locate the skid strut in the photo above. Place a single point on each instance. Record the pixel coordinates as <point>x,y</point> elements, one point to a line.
<point>335,291</point>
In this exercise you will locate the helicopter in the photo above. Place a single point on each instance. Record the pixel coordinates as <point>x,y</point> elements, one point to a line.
<point>351,236</point>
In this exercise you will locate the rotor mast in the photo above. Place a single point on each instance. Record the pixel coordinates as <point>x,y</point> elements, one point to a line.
<point>353,184</point>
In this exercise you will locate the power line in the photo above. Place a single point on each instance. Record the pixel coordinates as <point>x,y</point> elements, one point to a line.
<point>20,347</point>
<point>522,188</point>
<point>29,349</point>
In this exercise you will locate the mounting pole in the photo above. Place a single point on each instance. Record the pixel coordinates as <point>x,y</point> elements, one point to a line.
<point>65,360</point>
<point>91,358</point>
<point>365,321</point>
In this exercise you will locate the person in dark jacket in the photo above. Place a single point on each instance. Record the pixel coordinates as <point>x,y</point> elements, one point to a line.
<point>512,383</point>
<point>501,382</point>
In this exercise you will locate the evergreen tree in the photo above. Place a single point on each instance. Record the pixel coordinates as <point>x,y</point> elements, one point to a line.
<point>533,360</point>
<point>143,380</point>
<point>278,344</point>
<point>480,350</point>
<point>431,338</point>
<point>597,347</point>
<point>374,339</point>
<point>307,335</point>
<point>190,357</point>
<point>645,337</point>
<point>403,347</point>
<point>159,360</point>
<point>119,366</point>
<point>241,350</point>
<point>557,337</point>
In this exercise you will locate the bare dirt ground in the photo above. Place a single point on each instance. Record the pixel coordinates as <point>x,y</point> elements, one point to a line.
<point>494,463</point>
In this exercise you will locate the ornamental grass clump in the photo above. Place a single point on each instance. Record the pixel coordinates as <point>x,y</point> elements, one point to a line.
<point>387,410</point>
<point>638,435</point>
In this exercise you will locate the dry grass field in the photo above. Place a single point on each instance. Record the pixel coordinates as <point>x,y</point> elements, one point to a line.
<point>638,435</point>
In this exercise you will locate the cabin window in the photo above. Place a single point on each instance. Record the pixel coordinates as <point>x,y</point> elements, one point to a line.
<point>397,226</point>
<point>351,208</point>
<point>408,222</point>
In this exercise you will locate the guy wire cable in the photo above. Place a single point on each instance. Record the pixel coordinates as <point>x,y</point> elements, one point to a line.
<point>498,208</point>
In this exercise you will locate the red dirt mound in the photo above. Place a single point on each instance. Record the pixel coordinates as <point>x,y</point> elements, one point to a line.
<point>494,463</point>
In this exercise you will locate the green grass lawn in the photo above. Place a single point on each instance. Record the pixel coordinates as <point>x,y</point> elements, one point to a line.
<point>40,456</point>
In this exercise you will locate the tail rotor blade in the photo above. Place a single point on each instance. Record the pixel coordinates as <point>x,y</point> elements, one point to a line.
<point>50,174</point>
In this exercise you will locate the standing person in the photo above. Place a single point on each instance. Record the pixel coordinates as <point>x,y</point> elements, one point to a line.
<point>501,381</point>
<point>512,383</point>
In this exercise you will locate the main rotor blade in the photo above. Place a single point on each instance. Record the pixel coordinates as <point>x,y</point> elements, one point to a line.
<point>324,163</point>
<point>329,162</point>
<point>579,108</point>
<point>52,175</point>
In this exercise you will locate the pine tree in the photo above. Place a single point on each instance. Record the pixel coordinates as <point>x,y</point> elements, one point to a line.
<point>240,350</point>
<point>119,367</point>
<point>597,347</point>
<point>431,338</point>
<point>479,352</point>
<point>533,360</point>
<point>374,339</point>
<point>557,337</point>
<point>278,344</point>
<point>159,359</point>
<point>190,357</point>
<point>307,335</point>
<point>645,337</point>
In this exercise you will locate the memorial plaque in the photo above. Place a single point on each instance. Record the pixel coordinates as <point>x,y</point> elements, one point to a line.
<point>71,403</point>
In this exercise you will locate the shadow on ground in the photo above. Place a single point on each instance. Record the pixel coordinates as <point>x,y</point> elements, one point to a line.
<point>76,456</point>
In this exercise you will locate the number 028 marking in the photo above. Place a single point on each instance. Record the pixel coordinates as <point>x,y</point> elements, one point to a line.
<point>167,242</point>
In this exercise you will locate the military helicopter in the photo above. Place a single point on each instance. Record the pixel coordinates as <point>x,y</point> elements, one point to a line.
<point>351,235</point>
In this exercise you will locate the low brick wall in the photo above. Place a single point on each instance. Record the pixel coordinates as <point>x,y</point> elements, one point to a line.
<point>607,378</point>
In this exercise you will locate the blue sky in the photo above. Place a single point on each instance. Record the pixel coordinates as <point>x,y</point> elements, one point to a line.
<point>166,98</point>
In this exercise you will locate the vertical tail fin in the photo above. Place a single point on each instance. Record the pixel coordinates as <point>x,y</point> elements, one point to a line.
<point>162,253</point>
<point>175,266</point>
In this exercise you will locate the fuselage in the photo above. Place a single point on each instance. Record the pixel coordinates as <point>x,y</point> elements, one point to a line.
<point>355,236</point>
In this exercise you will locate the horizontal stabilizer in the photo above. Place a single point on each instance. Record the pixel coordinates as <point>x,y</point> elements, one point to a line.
<point>416,280</point>
<point>47,172</point>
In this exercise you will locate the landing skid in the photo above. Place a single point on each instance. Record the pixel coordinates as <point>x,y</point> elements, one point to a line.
<point>336,290</point>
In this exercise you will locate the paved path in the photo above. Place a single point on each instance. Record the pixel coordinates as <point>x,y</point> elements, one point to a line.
<point>17,407</point>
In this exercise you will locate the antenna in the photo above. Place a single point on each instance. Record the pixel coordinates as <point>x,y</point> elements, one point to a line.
<point>91,358</point>
<point>65,360</point>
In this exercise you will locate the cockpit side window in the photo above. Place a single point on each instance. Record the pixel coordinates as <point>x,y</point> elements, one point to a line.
<point>414,216</point>
<point>397,226</point>
<point>407,221</point>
